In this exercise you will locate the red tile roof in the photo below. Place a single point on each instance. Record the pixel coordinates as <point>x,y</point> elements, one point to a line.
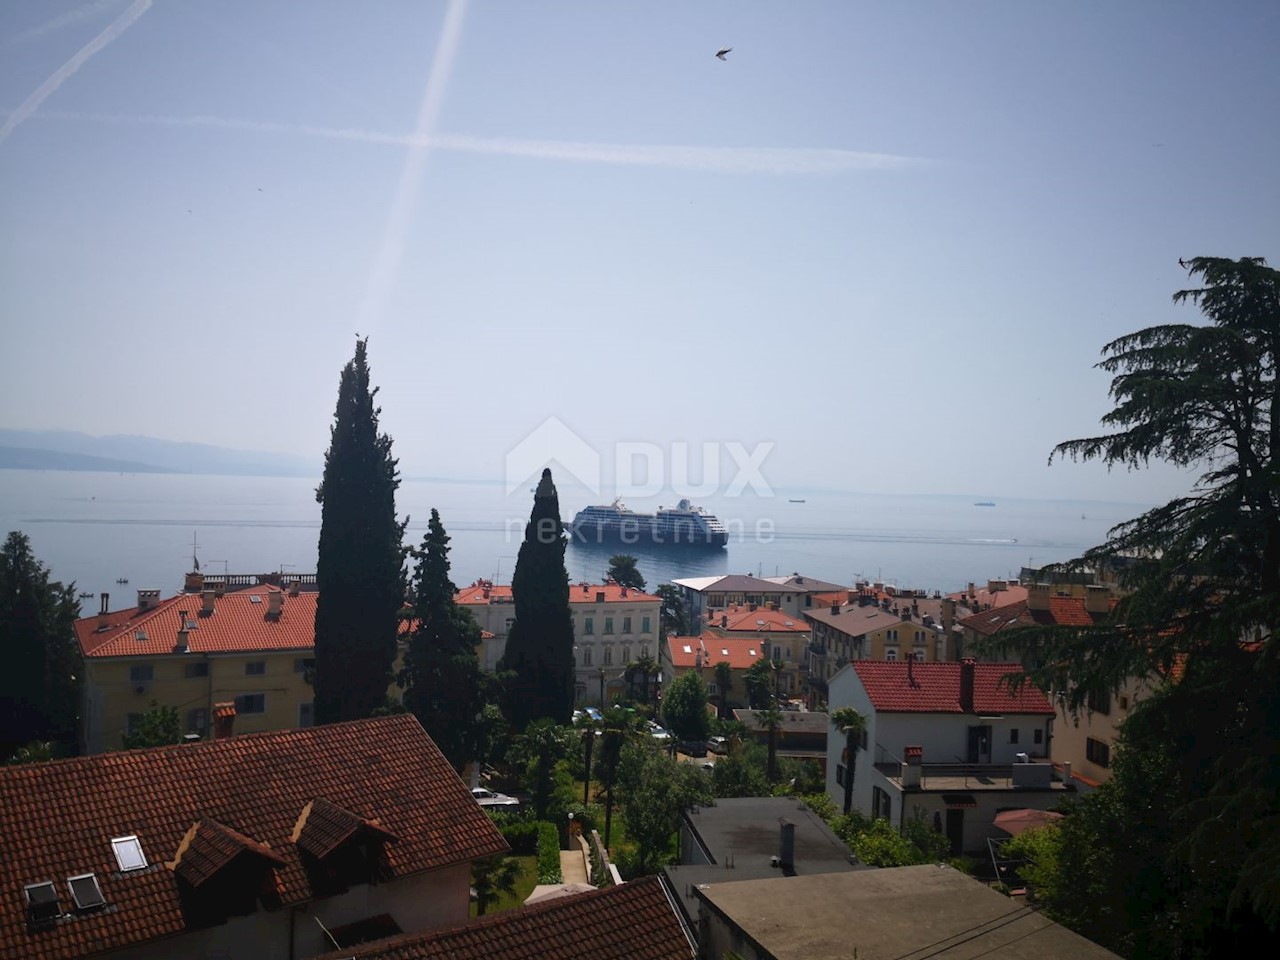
<point>739,652</point>
<point>759,620</point>
<point>1011,592</point>
<point>482,593</point>
<point>633,921</point>
<point>237,624</point>
<point>1062,612</point>
<point>613,593</point>
<point>935,688</point>
<point>59,818</point>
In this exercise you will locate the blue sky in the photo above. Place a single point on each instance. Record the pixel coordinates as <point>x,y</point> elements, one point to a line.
<point>889,239</point>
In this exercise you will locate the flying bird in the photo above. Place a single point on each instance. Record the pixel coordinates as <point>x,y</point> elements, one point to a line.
<point>720,53</point>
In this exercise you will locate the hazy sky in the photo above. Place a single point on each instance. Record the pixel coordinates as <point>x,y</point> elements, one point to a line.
<point>887,238</point>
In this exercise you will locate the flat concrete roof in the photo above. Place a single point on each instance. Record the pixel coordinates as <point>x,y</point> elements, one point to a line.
<point>891,913</point>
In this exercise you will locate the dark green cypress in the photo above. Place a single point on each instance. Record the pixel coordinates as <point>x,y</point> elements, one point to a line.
<point>540,645</point>
<point>444,686</point>
<point>359,572</point>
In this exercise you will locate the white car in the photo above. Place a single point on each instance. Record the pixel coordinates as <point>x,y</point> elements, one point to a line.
<point>487,798</point>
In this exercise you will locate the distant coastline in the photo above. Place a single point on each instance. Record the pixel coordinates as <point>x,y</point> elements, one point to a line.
<point>28,458</point>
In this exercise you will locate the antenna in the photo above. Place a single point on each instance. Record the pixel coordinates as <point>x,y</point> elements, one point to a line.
<point>195,561</point>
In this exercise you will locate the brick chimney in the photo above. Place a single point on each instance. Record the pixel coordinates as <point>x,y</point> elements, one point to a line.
<point>208,598</point>
<point>1038,596</point>
<point>224,719</point>
<point>912,766</point>
<point>182,645</point>
<point>194,582</point>
<point>967,670</point>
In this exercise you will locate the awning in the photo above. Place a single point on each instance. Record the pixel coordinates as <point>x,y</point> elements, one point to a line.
<point>956,801</point>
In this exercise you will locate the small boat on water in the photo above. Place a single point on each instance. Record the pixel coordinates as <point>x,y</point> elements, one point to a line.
<point>123,580</point>
<point>86,596</point>
<point>795,501</point>
<point>984,503</point>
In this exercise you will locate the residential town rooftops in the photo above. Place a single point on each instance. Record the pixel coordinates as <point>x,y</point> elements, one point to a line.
<point>899,686</point>
<point>257,619</point>
<point>804,722</point>
<point>853,618</point>
<point>810,918</point>
<point>710,649</point>
<point>1062,611</point>
<point>810,584</point>
<point>633,920</point>
<point>738,583</point>
<point>760,620</point>
<point>485,592</point>
<point>992,594</point>
<point>154,825</point>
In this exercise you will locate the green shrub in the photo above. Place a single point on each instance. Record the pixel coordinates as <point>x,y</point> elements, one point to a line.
<point>548,853</point>
<point>522,835</point>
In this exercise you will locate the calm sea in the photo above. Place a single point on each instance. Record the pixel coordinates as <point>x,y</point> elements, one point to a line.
<point>98,528</point>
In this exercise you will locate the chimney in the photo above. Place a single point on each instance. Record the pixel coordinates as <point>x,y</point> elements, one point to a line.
<point>103,617</point>
<point>1038,596</point>
<point>835,609</point>
<point>851,595</point>
<point>485,592</point>
<point>752,608</point>
<point>181,645</point>
<point>624,591</point>
<point>995,585</point>
<point>912,766</point>
<point>877,586</point>
<point>207,597</point>
<point>967,666</point>
<point>1097,598</point>
<point>295,587</point>
<point>948,614</point>
<point>194,582</point>
<point>275,604</point>
<point>599,596</point>
<point>148,600</point>
<point>224,719</point>
<point>786,844</point>
<point>724,620</point>
<point>911,673</point>
<point>972,594</point>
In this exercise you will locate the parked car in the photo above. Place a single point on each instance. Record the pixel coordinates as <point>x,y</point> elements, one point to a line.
<point>692,748</point>
<point>718,745</point>
<point>487,798</point>
<point>657,732</point>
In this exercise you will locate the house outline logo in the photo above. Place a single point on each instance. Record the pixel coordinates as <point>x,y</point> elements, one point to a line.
<point>552,443</point>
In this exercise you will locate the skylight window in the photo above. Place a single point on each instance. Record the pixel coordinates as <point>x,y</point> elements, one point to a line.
<point>140,636</point>
<point>688,649</point>
<point>86,892</point>
<point>42,902</point>
<point>254,598</point>
<point>128,851</point>
<point>724,651</point>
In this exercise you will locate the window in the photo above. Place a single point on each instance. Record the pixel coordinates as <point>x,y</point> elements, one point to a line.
<point>626,654</point>
<point>1097,752</point>
<point>1100,702</point>
<point>919,636</point>
<point>251,703</point>
<point>881,804</point>
<point>608,624</point>
<point>608,656</point>
<point>1124,703</point>
<point>588,626</point>
<point>645,625</point>
<point>307,714</point>
<point>128,851</point>
<point>303,664</point>
<point>891,655</point>
<point>131,723</point>
<point>712,690</point>
<point>777,654</point>
<point>255,668</point>
<point>1039,737</point>
<point>85,892</point>
<point>200,669</point>
<point>586,656</point>
<point>198,720</point>
<point>893,636</point>
<point>1013,735</point>
<point>626,624</point>
<point>644,649</point>
<point>142,673</point>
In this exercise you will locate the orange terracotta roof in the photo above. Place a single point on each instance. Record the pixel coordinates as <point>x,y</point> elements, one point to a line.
<point>237,624</point>
<point>481,593</point>
<point>759,620</point>
<point>935,688</point>
<point>613,593</point>
<point>982,597</point>
<point>739,652</point>
<point>60,816</point>
<point>631,921</point>
<point>1062,612</point>
<point>209,846</point>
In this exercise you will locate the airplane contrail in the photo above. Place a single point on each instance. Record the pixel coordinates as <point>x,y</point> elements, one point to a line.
<point>745,160</point>
<point>75,15</point>
<point>117,26</point>
<point>391,251</point>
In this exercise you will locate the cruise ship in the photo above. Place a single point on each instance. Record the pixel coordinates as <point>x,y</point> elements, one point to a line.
<point>682,525</point>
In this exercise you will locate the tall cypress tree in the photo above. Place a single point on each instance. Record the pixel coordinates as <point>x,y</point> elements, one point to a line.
<point>540,645</point>
<point>39,692</point>
<point>359,573</point>
<point>444,686</point>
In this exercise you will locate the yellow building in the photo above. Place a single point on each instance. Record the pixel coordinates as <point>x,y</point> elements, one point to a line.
<point>252,646</point>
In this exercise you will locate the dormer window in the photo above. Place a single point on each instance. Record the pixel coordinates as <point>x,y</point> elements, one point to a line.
<point>128,851</point>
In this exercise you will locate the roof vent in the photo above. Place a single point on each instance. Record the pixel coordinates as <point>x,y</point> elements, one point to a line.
<point>128,851</point>
<point>86,892</point>
<point>140,636</point>
<point>42,903</point>
<point>254,598</point>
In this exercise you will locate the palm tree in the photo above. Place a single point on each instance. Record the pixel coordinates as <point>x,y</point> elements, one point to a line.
<point>647,667</point>
<point>542,746</point>
<point>854,727</point>
<point>724,680</point>
<point>771,719</point>
<point>587,729</point>
<point>618,724</point>
<point>493,878</point>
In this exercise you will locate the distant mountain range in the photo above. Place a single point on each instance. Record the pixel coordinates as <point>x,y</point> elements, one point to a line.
<point>68,450</point>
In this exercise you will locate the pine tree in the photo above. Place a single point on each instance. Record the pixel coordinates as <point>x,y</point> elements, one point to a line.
<point>444,686</point>
<point>540,644</point>
<point>39,690</point>
<point>359,573</point>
